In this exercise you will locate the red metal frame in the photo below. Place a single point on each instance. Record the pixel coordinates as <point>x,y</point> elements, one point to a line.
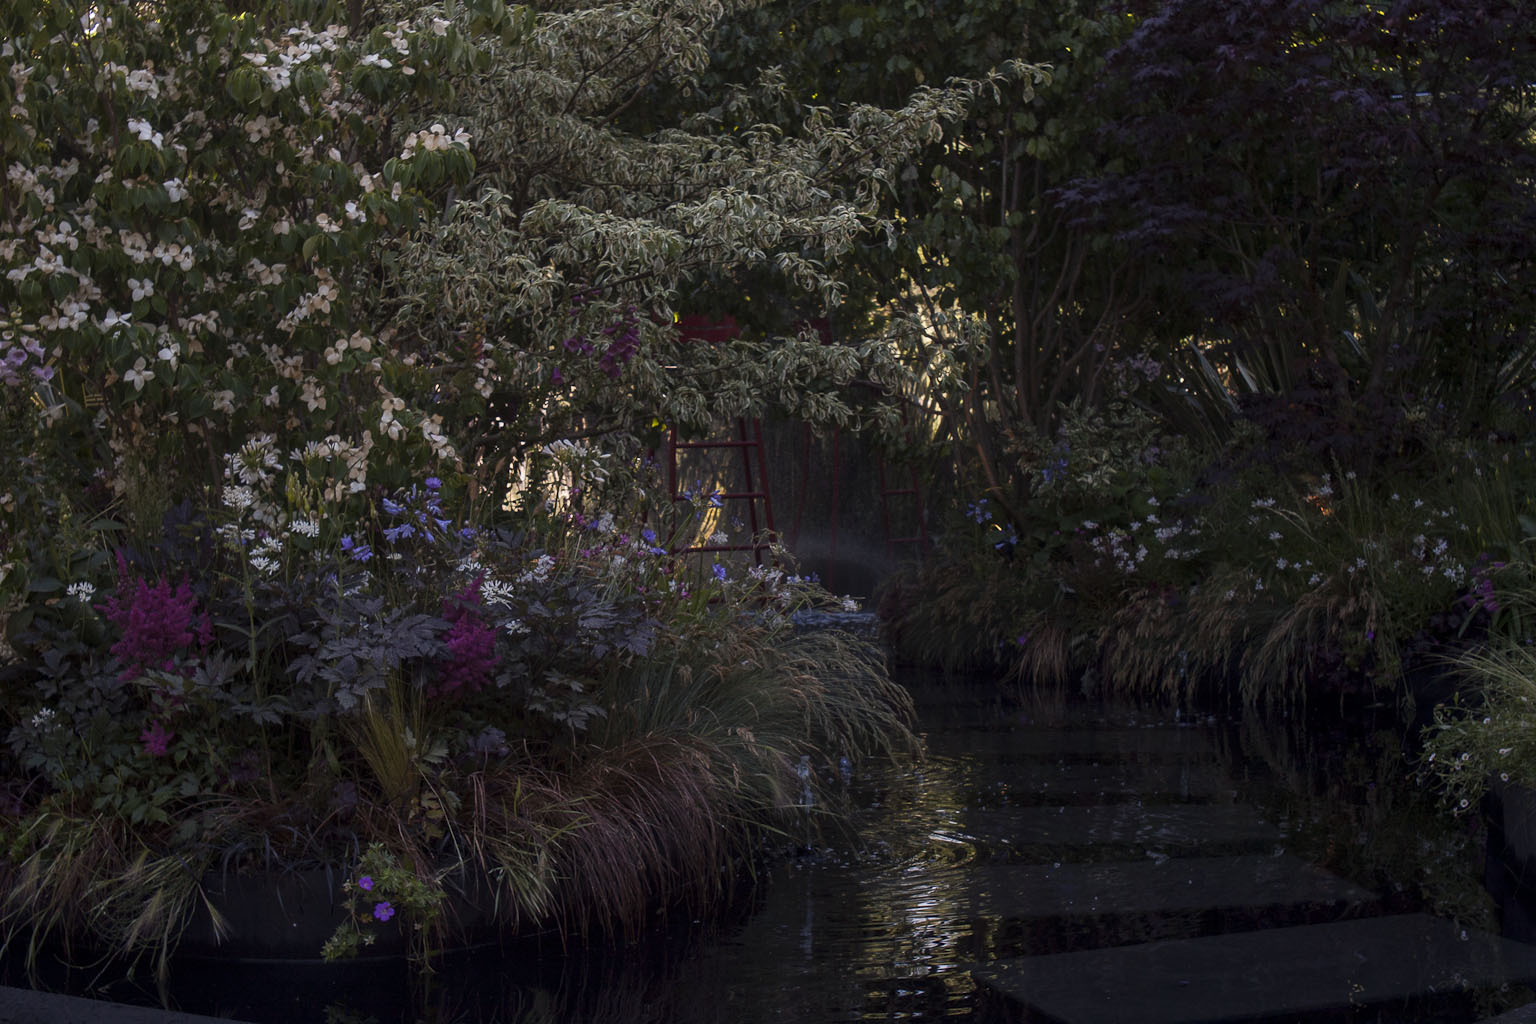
<point>763,533</point>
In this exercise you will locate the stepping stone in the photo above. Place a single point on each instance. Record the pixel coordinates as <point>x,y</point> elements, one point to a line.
<point>1027,784</point>
<point>1522,1015</point>
<point>1109,744</point>
<point>1277,972</point>
<point>24,1006</point>
<point>1169,827</point>
<point>1174,885</point>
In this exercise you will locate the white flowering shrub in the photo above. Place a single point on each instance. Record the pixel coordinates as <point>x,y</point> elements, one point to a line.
<point>196,207</point>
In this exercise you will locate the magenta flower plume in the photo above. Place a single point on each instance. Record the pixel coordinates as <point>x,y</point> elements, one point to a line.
<point>471,643</point>
<point>157,623</point>
<point>156,739</point>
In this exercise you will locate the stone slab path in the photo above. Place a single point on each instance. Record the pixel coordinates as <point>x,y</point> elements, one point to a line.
<point>1023,892</point>
<point>1275,972</point>
<point>1142,827</point>
<point>1120,818</point>
<point>23,1006</point>
<point>1078,743</point>
<point>1035,784</point>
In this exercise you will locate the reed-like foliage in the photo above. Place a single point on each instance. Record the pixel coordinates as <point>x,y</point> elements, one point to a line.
<point>70,876</point>
<point>708,749</point>
<point>1492,737</point>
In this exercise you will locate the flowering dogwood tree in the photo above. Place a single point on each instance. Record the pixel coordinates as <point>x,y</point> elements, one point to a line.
<point>381,237</point>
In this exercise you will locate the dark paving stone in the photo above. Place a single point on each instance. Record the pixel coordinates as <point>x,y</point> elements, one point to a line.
<point>1281,972</point>
<point>23,1006</point>
<point>1075,743</point>
<point>1147,886</point>
<point>1523,1015</point>
<point>982,784</point>
<point>1158,827</point>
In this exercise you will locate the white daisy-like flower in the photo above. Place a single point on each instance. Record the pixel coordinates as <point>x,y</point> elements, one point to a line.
<point>539,571</point>
<point>496,592</point>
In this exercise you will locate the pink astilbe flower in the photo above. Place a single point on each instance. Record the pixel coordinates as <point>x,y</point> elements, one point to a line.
<point>471,644</point>
<point>157,622</point>
<point>156,739</point>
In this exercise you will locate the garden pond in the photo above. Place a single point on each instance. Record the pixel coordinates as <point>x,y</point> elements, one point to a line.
<point>1024,831</point>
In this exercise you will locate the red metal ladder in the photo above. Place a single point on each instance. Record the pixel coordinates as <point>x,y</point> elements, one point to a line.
<point>755,487</point>
<point>887,492</point>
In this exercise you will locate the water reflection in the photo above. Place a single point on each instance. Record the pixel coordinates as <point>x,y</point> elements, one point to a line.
<point>984,850</point>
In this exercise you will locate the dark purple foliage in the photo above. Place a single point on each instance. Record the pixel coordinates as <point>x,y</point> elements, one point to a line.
<point>1355,176</point>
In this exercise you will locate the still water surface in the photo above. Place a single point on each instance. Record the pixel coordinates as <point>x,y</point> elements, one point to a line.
<point>883,922</point>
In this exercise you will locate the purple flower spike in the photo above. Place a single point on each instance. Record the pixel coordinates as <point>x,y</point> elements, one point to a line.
<point>365,883</point>
<point>383,911</point>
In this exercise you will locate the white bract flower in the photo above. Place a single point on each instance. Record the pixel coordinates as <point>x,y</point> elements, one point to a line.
<point>139,375</point>
<point>435,138</point>
<point>146,132</point>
